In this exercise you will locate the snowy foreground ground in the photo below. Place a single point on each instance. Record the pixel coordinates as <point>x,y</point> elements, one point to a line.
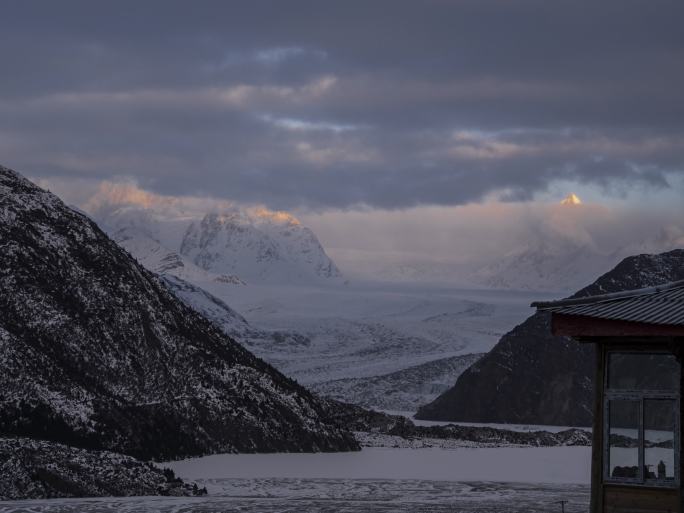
<point>374,480</point>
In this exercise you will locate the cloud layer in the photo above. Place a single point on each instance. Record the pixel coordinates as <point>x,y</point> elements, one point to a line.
<point>320,105</point>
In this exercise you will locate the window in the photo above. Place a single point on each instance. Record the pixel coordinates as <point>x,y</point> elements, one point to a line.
<point>642,419</point>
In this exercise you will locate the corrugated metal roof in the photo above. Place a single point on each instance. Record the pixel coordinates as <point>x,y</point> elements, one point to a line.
<point>656,305</point>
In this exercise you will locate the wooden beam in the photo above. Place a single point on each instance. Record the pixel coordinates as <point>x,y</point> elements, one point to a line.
<point>582,326</point>
<point>681,445</point>
<point>596,504</point>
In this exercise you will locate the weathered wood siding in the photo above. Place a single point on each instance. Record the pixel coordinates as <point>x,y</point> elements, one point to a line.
<point>638,499</point>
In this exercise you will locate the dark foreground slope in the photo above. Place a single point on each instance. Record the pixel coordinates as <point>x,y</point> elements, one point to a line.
<point>36,469</point>
<point>96,352</point>
<point>533,377</point>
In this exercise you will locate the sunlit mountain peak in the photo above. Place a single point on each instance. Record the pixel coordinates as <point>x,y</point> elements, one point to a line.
<point>571,199</point>
<point>276,216</point>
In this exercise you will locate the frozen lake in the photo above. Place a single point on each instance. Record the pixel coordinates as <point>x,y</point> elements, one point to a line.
<point>506,464</point>
<point>463,480</point>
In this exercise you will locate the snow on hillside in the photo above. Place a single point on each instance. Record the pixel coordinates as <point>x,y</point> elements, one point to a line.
<point>162,260</point>
<point>230,321</point>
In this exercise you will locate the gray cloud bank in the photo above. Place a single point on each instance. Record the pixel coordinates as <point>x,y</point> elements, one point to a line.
<point>325,105</point>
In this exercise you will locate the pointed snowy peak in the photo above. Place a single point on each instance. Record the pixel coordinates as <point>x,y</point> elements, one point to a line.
<point>571,199</point>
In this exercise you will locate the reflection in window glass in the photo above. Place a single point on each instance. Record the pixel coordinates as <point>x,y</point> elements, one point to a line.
<point>642,371</point>
<point>659,428</point>
<point>623,439</point>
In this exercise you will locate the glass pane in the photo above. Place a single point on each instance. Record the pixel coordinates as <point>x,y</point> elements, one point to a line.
<point>623,439</point>
<point>659,429</point>
<point>642,371</point>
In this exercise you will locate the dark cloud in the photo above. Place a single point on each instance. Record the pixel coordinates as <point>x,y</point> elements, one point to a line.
<point>334,104</point>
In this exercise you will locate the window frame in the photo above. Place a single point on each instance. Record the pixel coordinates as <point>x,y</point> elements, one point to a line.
<point>639,396</point>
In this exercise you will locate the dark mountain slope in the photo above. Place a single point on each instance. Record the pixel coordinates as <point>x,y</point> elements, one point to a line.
<point>96,352</point>
<point>533,377</point>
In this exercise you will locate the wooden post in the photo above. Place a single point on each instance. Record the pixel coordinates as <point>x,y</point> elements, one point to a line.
<point>597,435</point>
<point>677,346</point>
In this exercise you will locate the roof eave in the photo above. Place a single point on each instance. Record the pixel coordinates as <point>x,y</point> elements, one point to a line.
<point>542,305</point>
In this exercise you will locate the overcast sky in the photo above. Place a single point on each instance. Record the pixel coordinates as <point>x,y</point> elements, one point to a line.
<point>348,108</point>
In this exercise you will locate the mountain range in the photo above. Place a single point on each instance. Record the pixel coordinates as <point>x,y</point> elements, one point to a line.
<point>258,246</point>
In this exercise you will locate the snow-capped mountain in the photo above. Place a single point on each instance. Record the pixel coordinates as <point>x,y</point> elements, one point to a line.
<point>96,351</point>
<point>562,251</point>
<point>231,245</point>
<point>257,246</point>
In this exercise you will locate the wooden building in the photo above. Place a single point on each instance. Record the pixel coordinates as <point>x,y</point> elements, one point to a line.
<point>639,341</point>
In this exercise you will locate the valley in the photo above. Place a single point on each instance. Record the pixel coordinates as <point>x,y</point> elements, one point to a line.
<point>379,345</point>
<point>268,282</point>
